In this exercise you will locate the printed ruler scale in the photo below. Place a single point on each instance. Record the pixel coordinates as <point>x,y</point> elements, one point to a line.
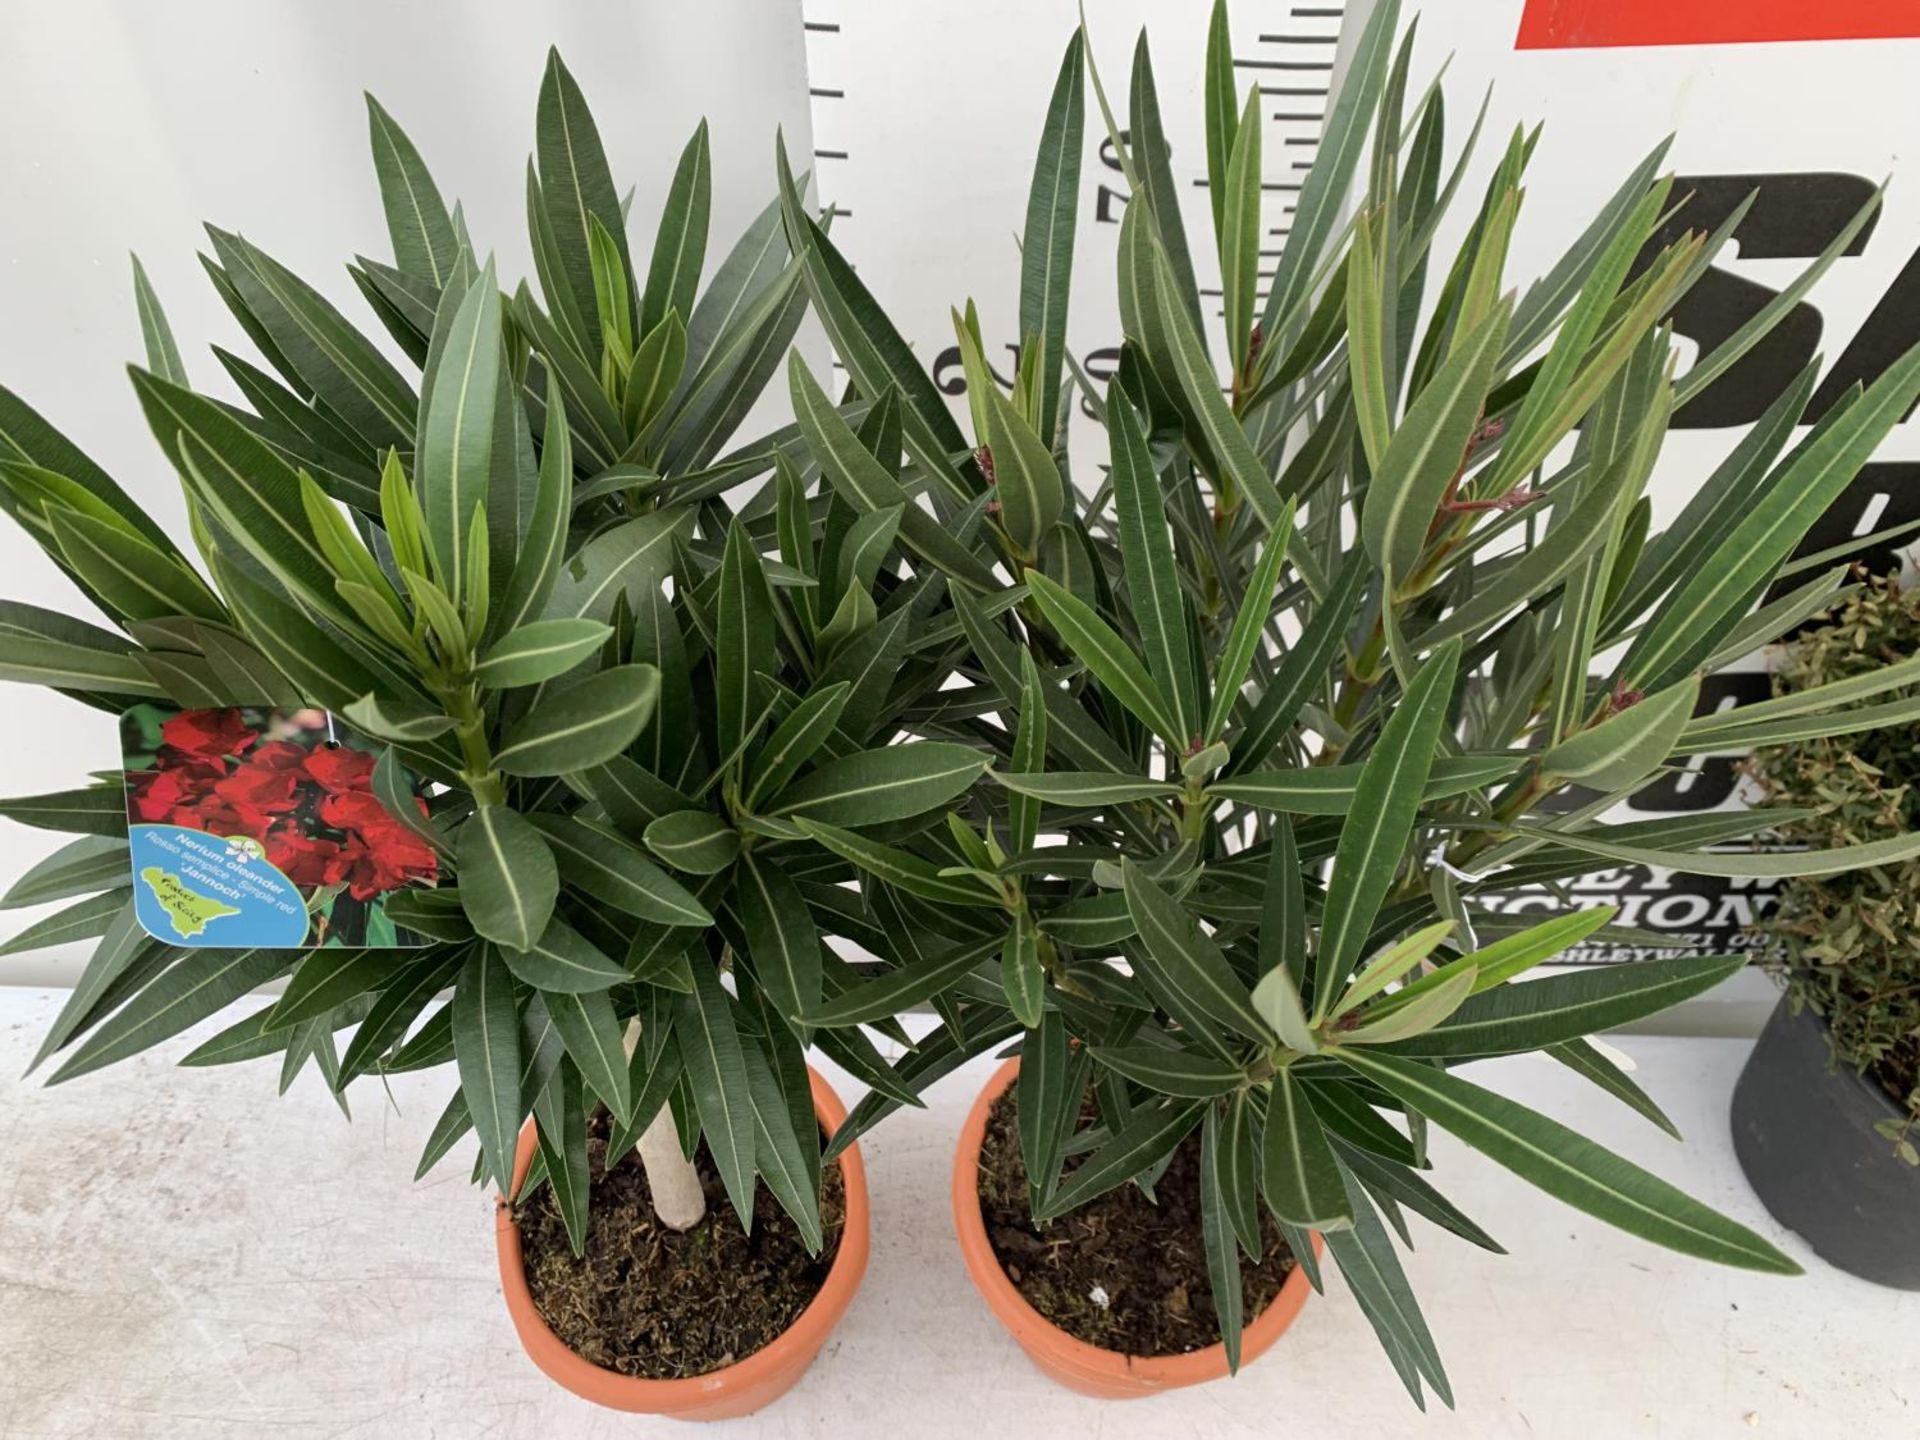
<point>926,119</point>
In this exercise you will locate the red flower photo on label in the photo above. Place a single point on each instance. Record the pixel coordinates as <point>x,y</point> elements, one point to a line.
<point>299,785</point>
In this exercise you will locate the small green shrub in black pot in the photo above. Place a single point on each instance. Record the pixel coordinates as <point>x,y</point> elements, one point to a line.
<point>1826,1117</point>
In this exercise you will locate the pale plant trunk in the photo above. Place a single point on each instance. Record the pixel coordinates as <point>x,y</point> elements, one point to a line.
<point>678,1199</point>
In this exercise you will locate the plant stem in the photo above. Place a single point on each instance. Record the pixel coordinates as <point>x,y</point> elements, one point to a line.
<point>470,729</point>
<point>679,1202</point>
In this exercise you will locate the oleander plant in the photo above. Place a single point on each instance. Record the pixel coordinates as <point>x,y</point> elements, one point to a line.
<point>1845,945</point>
<point>1360,617</point>
<point>512,570</point>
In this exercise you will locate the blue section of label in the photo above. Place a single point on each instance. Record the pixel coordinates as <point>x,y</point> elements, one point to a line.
<point>195,889</point>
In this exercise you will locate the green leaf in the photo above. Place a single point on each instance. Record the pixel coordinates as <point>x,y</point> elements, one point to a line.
<point>183,994</point>
<point>424,243</point>
<point>1241,231</point>
<point>96,810</point>
<point>1512,1018</point>
<point>680,246</point>
<point>783,1150</point>
<point>313,344</point>
<point>696,842</point>
<point>486,1051</point>
<point>1240,468</point>
<point>896,782</point>
<point>1172,1072</point>
<point>1216,1229</point>
<point>1688,626</point>
<point>717,1070</point>
<point>582,726</point>
<point>1303,669</point>
<point>1028,484</point>
<point>508,881</point>
<point>1108,656</point>
<point>1756,864</point>
<point>1392,963</point>
<point>901,868</point>
<point>1366,1258</point>
<point>866,484</point>
<point>1416,1017</point>
<point>1277,998</point>
<point>1625,748</point>
<point>325,979</point>
<point>1022,979</point>
<point>655,374</point>
<point>1048,1089</point>
<point>1403,1186</point>
<point>1153,577</point>
<point>744,646</point>
<point>1298,1173</point>
<point>576,184</point>
<point>561,1113</point>
<point>455,463</point>
<point>1428,450</point>
<point>1046,247</point>
<point>86,919</point>
<point>1374,839</point>
<point>887,995</point>
<point>630,559</point>
<point>1151,1135</point>
<point>1249,624</point>
<point>1366,343</point>
<point>255,495</point>
<point>1569,1166</point>
<point>1185,962</point>
<point>93,862</point>
<point>163,355</point>
<point>1332,789</point>
<point>564,962</point>
<point>593,1037</point>
<point>609,867</point>
<point>1087,790</point>
<point>1221,117</point>
<point>539,651</point>
<point>1323,193</point>
<point>781,937</point>
<point>1585,1058</point>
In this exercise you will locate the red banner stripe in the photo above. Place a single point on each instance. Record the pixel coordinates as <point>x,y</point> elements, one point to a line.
<point>1580,24</point>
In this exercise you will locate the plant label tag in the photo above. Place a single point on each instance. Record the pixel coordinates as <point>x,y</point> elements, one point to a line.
<point>257,828</point>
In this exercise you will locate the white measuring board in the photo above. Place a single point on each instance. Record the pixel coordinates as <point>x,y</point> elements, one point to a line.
<point>926,118</point>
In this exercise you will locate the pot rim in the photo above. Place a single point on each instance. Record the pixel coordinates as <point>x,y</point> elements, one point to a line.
<point>1013,1311</point>
<point>1835,1067</point>
<point>797,1344</point>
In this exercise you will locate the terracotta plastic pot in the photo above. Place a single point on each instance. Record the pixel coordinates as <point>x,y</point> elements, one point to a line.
<point>1105,1374</point>
<point>738,1389</point>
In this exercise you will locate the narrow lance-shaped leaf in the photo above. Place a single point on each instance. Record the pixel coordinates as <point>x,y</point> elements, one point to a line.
<point>1107,656</point>
<point>1153,576</point>
<point>1046,249</point>
<point>710,1047</point>
<point>1373,841</point>
<point>486,1048</point>
<point>1298,1173</point>
<point>1570,1166</point>
<point>508,881</point>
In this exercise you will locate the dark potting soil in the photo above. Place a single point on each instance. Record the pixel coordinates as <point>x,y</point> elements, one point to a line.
<point>661,1304</point>
<point>1121,1272</point>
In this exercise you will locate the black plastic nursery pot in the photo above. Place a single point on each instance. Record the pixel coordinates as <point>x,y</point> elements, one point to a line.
<point>1803,1130</point>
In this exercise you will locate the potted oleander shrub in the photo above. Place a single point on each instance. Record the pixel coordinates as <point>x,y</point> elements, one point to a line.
<point>1826,1114</point>
<point>1363,620</point>
<point>475,645</point>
